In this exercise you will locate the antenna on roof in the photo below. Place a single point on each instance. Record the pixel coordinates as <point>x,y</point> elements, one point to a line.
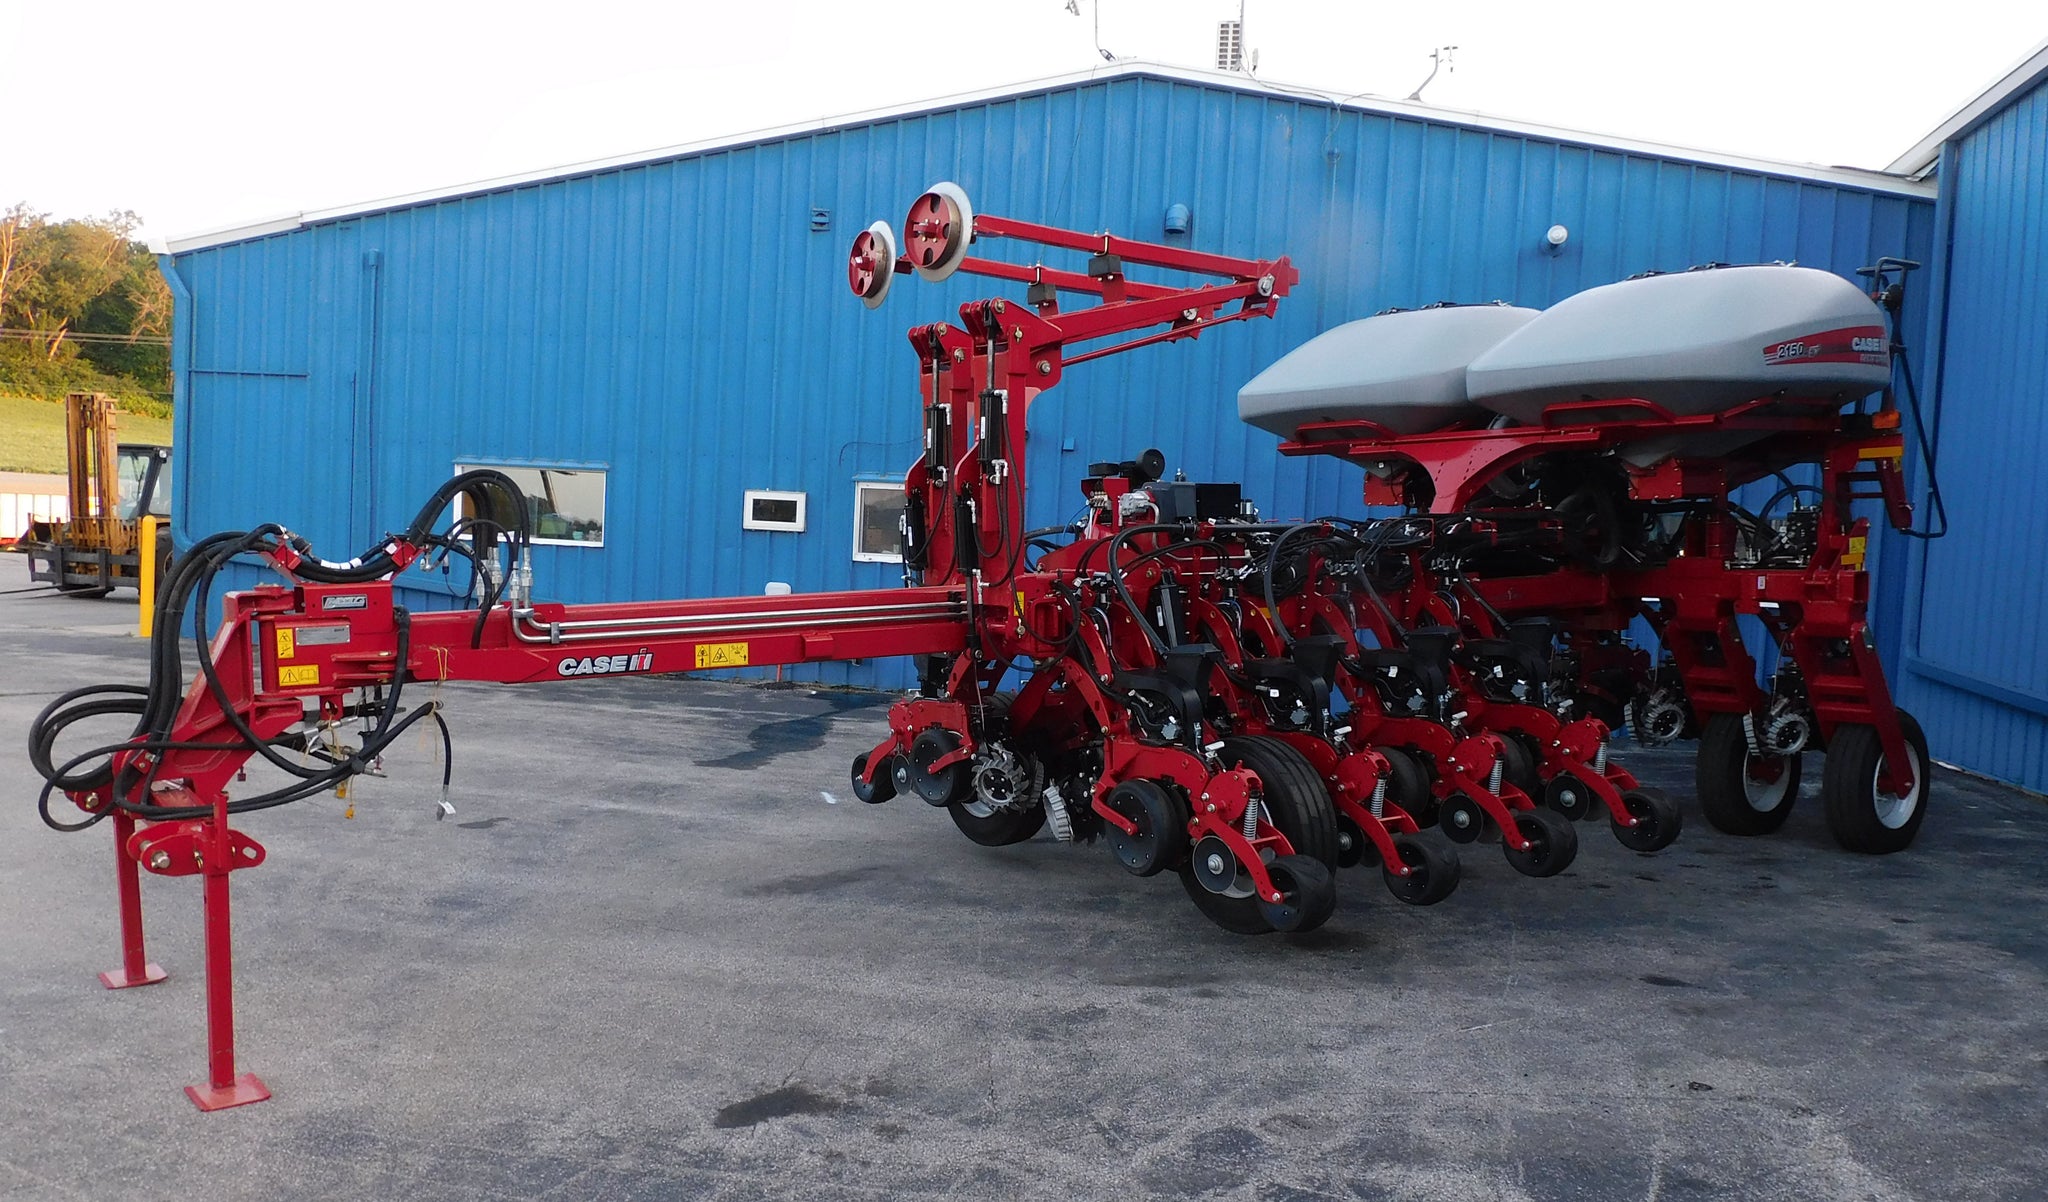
<point>1074,7</point>
<point>1439,60</point>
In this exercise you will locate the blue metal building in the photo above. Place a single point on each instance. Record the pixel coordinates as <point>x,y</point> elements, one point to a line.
<point>1975,636</point>
<point>680,321</point>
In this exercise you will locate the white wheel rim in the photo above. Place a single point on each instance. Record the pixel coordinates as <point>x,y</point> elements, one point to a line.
<point>953,194</point>
<point>1895,810</point>
<point>885,266</point>
<point>1765,796</point>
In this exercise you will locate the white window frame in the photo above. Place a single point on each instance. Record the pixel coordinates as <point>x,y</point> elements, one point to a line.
<point>859,556</point>
<point>749,522</point>
<point>604,512</point>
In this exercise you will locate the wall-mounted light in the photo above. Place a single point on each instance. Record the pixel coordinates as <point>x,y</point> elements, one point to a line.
<point>1555,238</point>
<point>1178,219</point>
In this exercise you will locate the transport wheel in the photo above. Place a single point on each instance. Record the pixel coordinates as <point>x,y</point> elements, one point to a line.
<point>941,787</point>
<point>1740,793</point>
<point>1162,820</point>
<point>1862,815</point>
<point>1519,761</point>
<point>1657,821</point>
<point>1408,785</point>
<point>878,790</point>
<point>1353,848</point>
<point>1568,795</point>
<point>1308,895</point>
<point>1297,803</point>
<point>1553,843</point>
<point>1461,818</point>
<point>1432,871</point>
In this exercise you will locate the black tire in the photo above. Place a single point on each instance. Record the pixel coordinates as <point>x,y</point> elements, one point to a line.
<point>1568,795</point>
<point>1297,804</point>
<point>1658,821</point>
<point>1296,799</point>
<point>1734,801</point>
<point>1353,847</point>
<point>999,829</point>
<point>1521,764</point>
<point>878,790</point>
<point>1162,819</point>
<point>1309,895</point>
<point>1553,843</point>
<point>1433,871</point>
<point>1861,818</point>
<point>944,786</point>
<point>1408,785</point>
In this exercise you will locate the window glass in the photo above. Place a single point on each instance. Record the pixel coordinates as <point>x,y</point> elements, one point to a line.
<point>878,521</point>
<point>563,505</point>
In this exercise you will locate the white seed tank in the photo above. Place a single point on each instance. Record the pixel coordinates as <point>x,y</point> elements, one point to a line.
<point>1694,342</point>
<point>1404,371</point>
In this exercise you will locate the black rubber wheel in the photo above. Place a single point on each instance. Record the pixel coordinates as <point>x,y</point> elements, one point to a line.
<point>1520,764</point>
<point>1461,819</point>
<point>997,828</point>
<point>1433,871</point>
<point>1553,843</point>
<point>1568,795</point>
<point>1353,848</point>
<point>1296,803</point>
<point>944,786</point>
<point>1740,793</point>
<point>1162,819</point>
<point>1408,785</point>
<point>1863,817</point>
<point>878,790</point>
<point>1658,821</point>
<point>1296,800</point>
<point>1308,892</point>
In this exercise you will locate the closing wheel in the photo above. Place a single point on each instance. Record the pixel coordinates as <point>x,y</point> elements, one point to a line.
<point>1568,795</point>
<point>1461,818</point>
<point>937,232</point>
<point>1553,843</point>
<point>1432,871</point>
<point>1161,840</point>
<point>1297,803</point>
<point>1408,785</point>
<point>1742,793</point>
<point>1308,895</point>
<point>878,790</point>
<point>1863,815</point>
<point>1657,821</point>
<point>941,786</point>
<point>871,265</point>
<point>1520,763</point>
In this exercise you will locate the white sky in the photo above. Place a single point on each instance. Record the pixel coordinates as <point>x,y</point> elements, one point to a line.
<point>203,113</point>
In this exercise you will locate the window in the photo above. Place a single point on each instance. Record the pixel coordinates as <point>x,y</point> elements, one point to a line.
<point>768,509</point>
<point>878,521</point>
<point>564,506</point>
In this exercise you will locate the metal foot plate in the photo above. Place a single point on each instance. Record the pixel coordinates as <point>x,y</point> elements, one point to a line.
<point>246,1089</point>
<point>119,978</point>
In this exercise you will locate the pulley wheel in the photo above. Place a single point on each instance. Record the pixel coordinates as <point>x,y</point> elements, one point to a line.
<point>1161,840</point>
<point>872,264</point>
<point>942,786</point>
<point>938,231</point>
<point>1215,865</point>
<point>1461,819</point>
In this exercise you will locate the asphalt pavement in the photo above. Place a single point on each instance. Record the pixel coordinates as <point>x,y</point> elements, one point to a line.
<point>660,952</point>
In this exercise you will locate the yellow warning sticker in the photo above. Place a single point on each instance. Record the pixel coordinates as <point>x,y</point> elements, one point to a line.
<point>285,647</point>
<point>1853,557</point>
<point>296,676</point>
<point>721,655</point>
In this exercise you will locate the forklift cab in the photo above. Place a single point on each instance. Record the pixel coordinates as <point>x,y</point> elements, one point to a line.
<point>144,475</point>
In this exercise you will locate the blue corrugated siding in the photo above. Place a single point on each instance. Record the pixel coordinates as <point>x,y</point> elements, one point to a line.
<point>678,324</point>
<point>1977,624</point>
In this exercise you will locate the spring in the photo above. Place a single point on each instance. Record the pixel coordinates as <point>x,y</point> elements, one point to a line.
<point>1493,778</point>
<point>1600,758</point>
<point>1251,818</point>
<point>1379,798</point>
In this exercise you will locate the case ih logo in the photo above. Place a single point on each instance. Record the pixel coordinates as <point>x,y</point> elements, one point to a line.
<point>345,601</point>
<point>606,665</point>
<point>1856,344</point>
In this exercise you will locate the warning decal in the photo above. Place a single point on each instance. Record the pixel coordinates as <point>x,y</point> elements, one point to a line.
<point>721,655</point>
<point>298,676</point>
<point>285,647</point>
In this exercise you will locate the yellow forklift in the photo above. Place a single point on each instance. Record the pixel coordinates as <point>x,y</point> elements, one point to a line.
<point>113,488</point>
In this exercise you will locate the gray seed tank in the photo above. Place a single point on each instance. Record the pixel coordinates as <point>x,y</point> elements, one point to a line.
<point>1404,371</point>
